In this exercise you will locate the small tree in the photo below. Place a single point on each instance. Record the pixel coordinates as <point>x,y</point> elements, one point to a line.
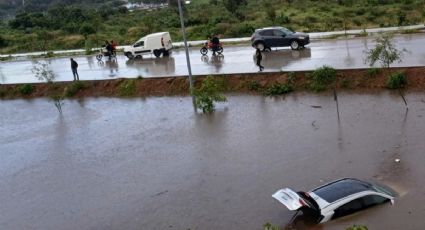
<point>207,94</point>
<point>384,52</point>
<point>42,71</point>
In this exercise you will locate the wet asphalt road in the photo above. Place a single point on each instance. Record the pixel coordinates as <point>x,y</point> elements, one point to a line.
<point>153,164</point>
<point>236,59</point>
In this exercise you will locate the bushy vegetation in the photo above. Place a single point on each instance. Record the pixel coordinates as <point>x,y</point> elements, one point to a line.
<point>279,89</point>
<point>207,94</point>
<point>357,227</point>
<point>373,72</point>
<point>49,25</point>
<point>127,88</point>
<point>25,89</point>
<point>322,77</point>
<point>396,81</point>
<point>73,88</point>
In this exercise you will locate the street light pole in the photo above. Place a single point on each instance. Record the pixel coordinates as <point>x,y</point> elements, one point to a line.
<point>187,53</point>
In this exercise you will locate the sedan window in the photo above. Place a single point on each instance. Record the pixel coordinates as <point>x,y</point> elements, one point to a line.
<point>372,200</point>
<point>267,33</point>
<point>279,33</point>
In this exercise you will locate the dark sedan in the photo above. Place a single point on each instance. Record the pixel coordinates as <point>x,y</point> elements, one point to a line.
<point>266,38</point>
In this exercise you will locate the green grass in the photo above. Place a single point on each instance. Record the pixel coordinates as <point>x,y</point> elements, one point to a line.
<point>127,88</point>
<point>278,89</point>
<point>72,89</point>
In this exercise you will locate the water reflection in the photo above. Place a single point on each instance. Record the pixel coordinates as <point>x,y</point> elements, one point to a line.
<point>279,59</point>
<point>153,66</point>
<point>216,60</point>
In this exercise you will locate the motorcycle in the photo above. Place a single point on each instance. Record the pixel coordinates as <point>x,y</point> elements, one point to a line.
<point>104,52</point>
<point>209,46</point>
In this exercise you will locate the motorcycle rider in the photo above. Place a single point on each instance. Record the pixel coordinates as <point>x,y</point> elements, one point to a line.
<point>215,41</point>
<point>108,48</point>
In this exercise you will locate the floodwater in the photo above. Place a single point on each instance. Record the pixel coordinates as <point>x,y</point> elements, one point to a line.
<point>340,54</point>
<point>154,164</point>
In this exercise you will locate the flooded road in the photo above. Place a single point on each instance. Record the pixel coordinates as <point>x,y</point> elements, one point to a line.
<point>153,164</point>
<point>340,54</point>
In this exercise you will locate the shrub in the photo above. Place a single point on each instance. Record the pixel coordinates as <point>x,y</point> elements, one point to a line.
<point>322,77</point>
<point>357,227</point>
<point>384,52</point>
<point>279,89</point>
<point>127,88</point>
<point>254,85</point>
<point>73,88</point>
<point>396,81</point>
<point>207,94</point>
<point>269,226</point>
<point>345,83</point>
<point>373,72</point>
<point>2,92</point>
<point>25,89</point>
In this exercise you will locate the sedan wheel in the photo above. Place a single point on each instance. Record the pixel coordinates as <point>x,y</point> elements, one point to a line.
<point>295,45</point>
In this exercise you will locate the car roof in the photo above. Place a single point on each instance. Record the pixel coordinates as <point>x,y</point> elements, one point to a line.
<point>270,28</point>
<point>342,188</point>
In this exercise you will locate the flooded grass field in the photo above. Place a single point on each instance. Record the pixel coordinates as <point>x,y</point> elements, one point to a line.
<point>154,164</point>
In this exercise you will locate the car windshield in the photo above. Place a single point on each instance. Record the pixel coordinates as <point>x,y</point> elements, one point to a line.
<point>384,189</point>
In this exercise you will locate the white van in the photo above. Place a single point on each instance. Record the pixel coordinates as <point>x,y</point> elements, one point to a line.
<point>156,44</point>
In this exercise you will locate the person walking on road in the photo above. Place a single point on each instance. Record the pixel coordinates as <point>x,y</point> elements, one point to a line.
<point>74,67</point>
<point>259,57</point>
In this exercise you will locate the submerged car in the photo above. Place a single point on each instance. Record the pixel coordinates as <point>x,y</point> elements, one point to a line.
<point>335,199</point>
<point>266,38</point>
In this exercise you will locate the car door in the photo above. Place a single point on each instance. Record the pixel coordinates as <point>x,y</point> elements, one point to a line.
<point>268,38</point>
<point>348,208</point>
<point>139,47</point>
<point>280,38</point>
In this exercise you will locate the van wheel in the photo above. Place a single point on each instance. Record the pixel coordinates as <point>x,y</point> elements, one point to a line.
<point>129,55</point>
<point>166,53</point>
<point>157,53</point>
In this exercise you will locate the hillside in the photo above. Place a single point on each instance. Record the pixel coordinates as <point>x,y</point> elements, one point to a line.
<point>78,25</point>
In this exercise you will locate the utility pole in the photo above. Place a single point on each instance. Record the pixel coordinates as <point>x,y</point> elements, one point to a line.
<point>187,53</point>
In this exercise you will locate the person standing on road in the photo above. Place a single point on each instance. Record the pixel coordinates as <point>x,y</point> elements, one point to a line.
<point>74,67</point>
<point>259,57</point>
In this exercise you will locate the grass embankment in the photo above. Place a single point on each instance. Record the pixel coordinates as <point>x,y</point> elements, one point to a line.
<point>255,83</point>
<point>84,27</point>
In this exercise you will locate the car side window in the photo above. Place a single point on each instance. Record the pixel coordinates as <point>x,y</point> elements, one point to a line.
<point>279,33</point>
<point>372,200</point>
<point>267,33</point>
<point>138,44</point>
<point>348,208</point>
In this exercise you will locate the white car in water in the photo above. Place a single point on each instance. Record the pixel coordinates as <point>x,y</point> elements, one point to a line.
<point>336,199</point>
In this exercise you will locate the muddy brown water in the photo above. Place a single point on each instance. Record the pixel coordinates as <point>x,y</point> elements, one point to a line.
<point>155,164</point>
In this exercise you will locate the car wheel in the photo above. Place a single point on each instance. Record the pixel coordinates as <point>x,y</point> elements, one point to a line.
<point>166,53</point>
<point>267,49</point>
<point>295,45</point>
<point>157,53</point>
<point>139,57</point>
<point>260,46</point>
